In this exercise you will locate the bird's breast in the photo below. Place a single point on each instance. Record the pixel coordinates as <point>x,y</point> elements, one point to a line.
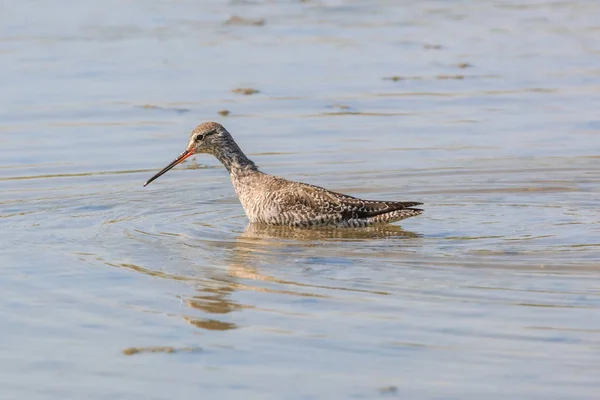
<point>256,199</point>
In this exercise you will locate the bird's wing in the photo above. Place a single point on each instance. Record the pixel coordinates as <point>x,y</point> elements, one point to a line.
<point>322,201</point>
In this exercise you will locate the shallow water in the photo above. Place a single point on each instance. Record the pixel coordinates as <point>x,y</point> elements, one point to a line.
<point>486,112</point>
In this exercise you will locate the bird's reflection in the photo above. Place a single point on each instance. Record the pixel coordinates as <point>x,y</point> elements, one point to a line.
<point>257,231</point>
<point>261,248</point>
<point>267,245</point>
<point>213,300</point>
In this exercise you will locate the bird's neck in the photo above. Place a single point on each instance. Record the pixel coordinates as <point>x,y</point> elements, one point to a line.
<point>234,159</point>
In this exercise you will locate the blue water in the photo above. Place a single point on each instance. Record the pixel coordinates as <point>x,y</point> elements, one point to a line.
<point>493,292</point>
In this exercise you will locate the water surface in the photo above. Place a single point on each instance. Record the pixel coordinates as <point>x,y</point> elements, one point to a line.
<point>485,111</point>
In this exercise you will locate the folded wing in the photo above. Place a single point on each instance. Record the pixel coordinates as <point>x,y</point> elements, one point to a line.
<point>322,201</point>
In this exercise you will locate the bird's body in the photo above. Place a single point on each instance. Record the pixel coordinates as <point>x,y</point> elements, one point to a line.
<point>271,200</point>
<point>276,201</point>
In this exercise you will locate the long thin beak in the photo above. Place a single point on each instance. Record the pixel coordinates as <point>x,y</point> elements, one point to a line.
<point>182,156</point>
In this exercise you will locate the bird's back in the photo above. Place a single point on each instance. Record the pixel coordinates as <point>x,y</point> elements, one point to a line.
<point>277,201</point>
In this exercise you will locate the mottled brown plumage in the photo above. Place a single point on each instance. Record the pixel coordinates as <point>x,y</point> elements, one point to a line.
<point>272,200</point>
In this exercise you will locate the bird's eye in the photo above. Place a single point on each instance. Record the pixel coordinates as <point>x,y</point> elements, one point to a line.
<point>199,137</point>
